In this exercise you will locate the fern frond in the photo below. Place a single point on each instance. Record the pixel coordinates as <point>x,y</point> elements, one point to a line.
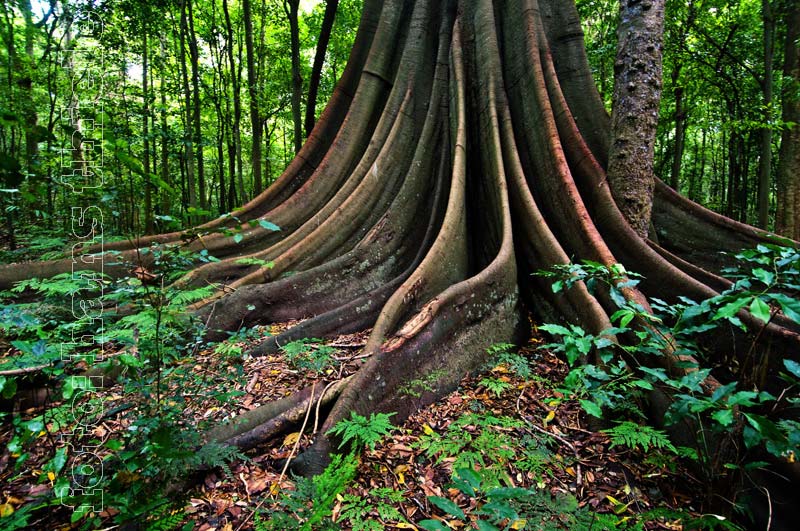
<point>635,436</point>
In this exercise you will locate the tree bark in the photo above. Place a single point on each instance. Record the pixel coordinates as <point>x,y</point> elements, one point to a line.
<point>188,140</point>
<point>788,215</point>
<point>291,8</point>
<point>634,118</point>
<point>765,148</point>
<point>253,91</point>
<point>148,186</point>
<point>198,128</point>
<point>680,132</point>
<point>26,83</point>
<point>236,156</point>
<point>319,59</point>
<point>166,196</point>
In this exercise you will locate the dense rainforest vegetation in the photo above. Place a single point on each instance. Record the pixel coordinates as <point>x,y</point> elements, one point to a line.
<point>411,264</point>
<point>188,106</point>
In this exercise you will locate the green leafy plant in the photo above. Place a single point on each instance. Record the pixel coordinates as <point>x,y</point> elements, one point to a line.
<point>506,508</point>
<point>766,278</point>
<point>309,354</point>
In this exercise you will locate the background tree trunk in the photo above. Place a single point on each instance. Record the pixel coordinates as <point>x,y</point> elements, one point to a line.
<point>680,132</point>
<point>788,217</point>
<point>291,8</point>
<point>148,186</point>
<point>765,151</point>
<point>188,140</point>
<point>319,59</point>
<point>253,88</point>
<point>198,127</point>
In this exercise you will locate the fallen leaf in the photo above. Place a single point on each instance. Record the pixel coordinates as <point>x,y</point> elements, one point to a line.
<point>291,438</point>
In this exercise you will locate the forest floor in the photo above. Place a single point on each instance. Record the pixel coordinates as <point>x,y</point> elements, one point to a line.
<point>523,433</point>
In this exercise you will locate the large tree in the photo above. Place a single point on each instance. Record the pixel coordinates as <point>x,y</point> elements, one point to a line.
<point>464,148</point>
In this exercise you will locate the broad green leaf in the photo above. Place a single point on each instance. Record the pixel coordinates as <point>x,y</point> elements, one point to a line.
<point>730,309</point>
<point>760,309</point>
<point>268,225</point>
<point>789,306</point>
<point>792,366</point>
<point>483,525</point>
<point>447,506</point>
<point>556,330</point>
<point>592,408</point>
<point>723,416</point>
<point>767,277</point>
<point>433,525</point>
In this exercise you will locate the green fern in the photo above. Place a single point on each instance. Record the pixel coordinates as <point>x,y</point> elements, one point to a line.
<point>215,455</point>
<point>495,385</point>
<point>635,436</point>
<point>65,284</point>
<point>166,518</point>
<point>360,511</point>
<point>184,297</point>
<point>309,354</point>
<point>310,505</point>
<point>363,431</point>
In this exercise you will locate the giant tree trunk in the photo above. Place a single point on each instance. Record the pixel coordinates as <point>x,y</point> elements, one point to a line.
<point>463,149</point>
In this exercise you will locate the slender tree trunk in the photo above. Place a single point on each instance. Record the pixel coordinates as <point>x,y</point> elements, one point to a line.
<point>291,7</point>
<point>166,196</point>
<point>680,132</point>
<point>765,158</point>
<point>253,84</point>
<point>237,104</point>
<point>637,93</point>
<point>702,174</point>
<point>148,186</point>
<point>26,84</point>
<point>693,180</point>
<point>222,203</point>
<point>198,129</point>
<point>328,19</point>
<point>191,193</point>
<point>788,217</point>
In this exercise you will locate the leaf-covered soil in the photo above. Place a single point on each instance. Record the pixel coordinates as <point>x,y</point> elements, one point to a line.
<point>527,432</point>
